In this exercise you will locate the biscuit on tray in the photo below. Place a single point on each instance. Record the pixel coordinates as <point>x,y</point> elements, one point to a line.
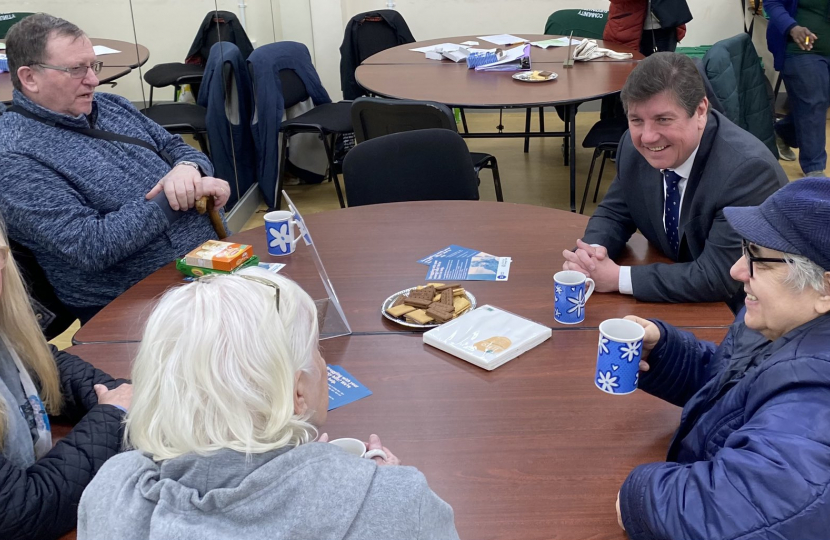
<point>434,303</point>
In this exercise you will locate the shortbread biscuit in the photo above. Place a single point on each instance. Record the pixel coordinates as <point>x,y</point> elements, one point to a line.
<point>400,311</point>
<point>418,316</point>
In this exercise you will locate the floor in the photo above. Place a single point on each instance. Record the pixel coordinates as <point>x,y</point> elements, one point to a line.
<point>538,177</point>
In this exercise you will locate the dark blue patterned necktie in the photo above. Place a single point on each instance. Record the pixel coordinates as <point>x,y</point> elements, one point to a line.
<point>672,211</point>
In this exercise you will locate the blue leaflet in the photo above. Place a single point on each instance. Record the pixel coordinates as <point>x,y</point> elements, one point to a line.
<point>343,388</point>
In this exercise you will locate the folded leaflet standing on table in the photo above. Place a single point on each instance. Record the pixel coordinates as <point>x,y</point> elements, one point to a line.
<point>487,337</point>
<point>515,59</point>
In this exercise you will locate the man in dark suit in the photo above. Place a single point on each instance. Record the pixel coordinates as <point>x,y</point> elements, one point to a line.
<point>678,166</point>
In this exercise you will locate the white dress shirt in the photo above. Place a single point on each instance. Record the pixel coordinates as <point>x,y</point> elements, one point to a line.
<point>684,171</point>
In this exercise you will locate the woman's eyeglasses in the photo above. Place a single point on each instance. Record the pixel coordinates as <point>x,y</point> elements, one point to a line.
<point>77,72</point>
<point>750,258</point>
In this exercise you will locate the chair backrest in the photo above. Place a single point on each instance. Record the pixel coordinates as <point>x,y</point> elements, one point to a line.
<point>9,19</point>
<point>366,34</point>
<point>734,70</point>
<point>375,117</point>
<point>293,88</point>
<point>374,35</point>
<point>421,165</point>
<point>52,315</point>
<point>587,23</point>
<point>218,26</point>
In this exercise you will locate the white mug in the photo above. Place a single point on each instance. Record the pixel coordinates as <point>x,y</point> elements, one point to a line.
<point>357,448</point>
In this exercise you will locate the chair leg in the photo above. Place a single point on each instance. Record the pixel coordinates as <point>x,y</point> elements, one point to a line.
<point>597,152</point>
<point>605,155</point>
<point>566,148</point>
<point>527,128</point>
<point>151,97</point>
<point>494,167</point>
<point>283,155</point>
<point>329,145</point>
<point>541,119</point>
<point>464,121</point>
<point>202,140</point>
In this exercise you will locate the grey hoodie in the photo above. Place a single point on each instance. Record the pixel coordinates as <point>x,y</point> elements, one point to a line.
<point>315,491</point>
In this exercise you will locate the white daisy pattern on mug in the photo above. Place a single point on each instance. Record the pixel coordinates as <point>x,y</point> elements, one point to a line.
<point>578,303</point>
<point>281,237</point>
<point>607,382</point>
<point>629,350</point>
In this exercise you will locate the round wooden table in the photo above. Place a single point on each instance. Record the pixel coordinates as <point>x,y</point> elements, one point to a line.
<point>116,65</point>
<point>370,252</point>
<point>400,73</point>
<point>532,450</point>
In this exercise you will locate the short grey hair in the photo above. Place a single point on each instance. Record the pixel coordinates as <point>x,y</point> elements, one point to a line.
<point>805,273</point>
<point>665,72</point>
<point>26,41</point>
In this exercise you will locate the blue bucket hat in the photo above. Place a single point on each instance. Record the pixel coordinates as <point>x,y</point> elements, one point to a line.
<point>795,219</point>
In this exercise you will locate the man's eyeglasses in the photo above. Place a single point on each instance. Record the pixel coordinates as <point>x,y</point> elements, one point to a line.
<point>261,281</point>
<point>77,72</point>
<point>750,258</point>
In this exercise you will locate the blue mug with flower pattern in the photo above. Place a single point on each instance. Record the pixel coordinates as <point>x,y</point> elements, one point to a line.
<point>618,356</point>
<point>279,232</point>
<point>571,290</point>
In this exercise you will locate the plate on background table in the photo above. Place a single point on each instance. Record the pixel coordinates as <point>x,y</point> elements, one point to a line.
<point>535,76</point>
<point>388,303</point>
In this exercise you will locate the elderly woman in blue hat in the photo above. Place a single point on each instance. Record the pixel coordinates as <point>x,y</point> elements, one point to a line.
<point>751,458</point>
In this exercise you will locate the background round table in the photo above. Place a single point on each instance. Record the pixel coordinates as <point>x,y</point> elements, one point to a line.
<point>400,73</point>
<point>116,65</point>
<point>370,252</point>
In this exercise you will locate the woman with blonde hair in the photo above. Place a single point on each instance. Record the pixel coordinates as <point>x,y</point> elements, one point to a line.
<point>230,390</point>
<point>40,486</point>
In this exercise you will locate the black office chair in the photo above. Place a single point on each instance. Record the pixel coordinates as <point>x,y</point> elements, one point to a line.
<point>329,121</point>
<point>375,117</point>
<point>367,34</point>
<point>604,137</point>
<point>54,317</point>
<point>216,26</point>
<point>420,165</point>
<point>182,119</point>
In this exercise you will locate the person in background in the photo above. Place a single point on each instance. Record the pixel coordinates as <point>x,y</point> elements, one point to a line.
<point>678,166</point>
<point>649,26</point>
<point>794,37</point>
<point>230,390</point>
<point>98,215</point>
<point>751,457</point>
<point>41,484</point>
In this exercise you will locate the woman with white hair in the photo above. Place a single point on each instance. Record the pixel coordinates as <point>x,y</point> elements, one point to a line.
<point>40,485</point>
<point>751,458</point>
<point>230,390</point>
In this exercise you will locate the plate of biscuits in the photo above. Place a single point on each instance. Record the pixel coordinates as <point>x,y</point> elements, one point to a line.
<point>428,306</point>
<point>535,76</point>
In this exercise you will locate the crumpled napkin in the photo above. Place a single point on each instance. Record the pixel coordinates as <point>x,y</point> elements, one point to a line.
<point>589,50</point>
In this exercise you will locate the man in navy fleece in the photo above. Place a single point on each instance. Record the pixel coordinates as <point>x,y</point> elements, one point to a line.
<point>98,215</point>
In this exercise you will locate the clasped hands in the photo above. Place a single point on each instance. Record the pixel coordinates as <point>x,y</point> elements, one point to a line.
<point>593,261</point>
<point>184,185</point>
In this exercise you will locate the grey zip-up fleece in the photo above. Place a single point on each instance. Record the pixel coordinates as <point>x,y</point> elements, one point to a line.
<point>315,491</point>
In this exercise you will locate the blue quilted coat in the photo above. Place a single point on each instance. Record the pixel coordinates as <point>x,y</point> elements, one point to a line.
<point>751,458</point>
